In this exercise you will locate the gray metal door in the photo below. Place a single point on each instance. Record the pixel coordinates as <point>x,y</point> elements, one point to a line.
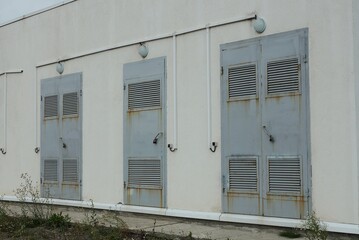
<point>265,143</point>
<point>61,137</point>
<point>144,133</point>
<point>241,136</point>
<point>284,118</point>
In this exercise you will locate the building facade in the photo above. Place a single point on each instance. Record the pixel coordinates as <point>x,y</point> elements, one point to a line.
<point>240,111</point>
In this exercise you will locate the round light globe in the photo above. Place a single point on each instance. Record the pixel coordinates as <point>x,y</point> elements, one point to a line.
<point>60,68</point>
<point>259,25</point>
<point>143,51</point>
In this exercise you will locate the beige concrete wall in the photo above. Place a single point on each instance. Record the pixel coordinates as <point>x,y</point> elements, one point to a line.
<point>194,173</point>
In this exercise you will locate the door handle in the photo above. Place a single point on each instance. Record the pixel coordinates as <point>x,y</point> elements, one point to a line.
<point>155,140</point>
<point>271,138</point>
<point>63,144</point>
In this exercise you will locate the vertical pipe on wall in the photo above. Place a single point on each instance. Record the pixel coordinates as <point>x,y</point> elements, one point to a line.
<point>4,148</point>
<point>5,114</point>
<point>175,128</point>
<point>209,88</point>
<point>36,109</point>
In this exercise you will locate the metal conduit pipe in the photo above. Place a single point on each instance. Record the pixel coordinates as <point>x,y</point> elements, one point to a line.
<point>149,39</point>
<point>4,148</point>
<point>37,148</point>
<point>173,147</point>
<point>212,145</point>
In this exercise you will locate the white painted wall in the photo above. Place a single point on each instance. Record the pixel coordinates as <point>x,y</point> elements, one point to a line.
<point>355,7</point>
<point>194,173</point>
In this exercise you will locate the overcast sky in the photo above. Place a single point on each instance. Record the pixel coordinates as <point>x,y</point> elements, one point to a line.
<point>11,9</point>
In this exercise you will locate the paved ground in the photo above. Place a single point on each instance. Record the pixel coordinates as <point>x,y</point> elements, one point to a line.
<point>184,227</point>
<point>198,229</point>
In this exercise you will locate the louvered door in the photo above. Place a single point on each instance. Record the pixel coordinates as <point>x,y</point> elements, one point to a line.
<point>240,133</point>
<point>284,116</point>
<point>61,137</point>
<point>144,133</point>
<point>264,126</point>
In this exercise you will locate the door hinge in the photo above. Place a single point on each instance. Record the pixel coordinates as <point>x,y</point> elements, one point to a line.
<point>80,92</point>
<point>124,87</point>
<point>124,184</point>
<point>41,98</point>
<point>223,183</point>
<point>311,171</point>
<point>222,70</point>
<point>305,58</point>
<point>40,180</point>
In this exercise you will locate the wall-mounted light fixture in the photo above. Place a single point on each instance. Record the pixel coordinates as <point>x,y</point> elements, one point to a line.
<point>259,25</point>
<point>143,50</point>
<point>59,67</point>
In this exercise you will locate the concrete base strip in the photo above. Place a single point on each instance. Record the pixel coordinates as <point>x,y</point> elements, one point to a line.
<point>222,217</point>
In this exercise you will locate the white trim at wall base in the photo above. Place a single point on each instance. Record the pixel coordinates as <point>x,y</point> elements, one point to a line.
<point>222,217</point>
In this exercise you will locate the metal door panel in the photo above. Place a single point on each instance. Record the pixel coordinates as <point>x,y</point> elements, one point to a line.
<point>270,127</point>
<point>284,115</point>
<point>241,118</point>
<point>61,138</point>
<point>144,133</point>
<point>50,133</point>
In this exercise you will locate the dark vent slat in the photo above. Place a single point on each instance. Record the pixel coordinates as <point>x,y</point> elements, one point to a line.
<point>285,175</point>
<point>70,103</point>
<point>144,94</point>
<point>242,81</point>
<point>283,76</point>
<point>70,170</point>
<point>144,173</point>
<point>50,170</point>
<point>243,174</point>
<point>51,106</point>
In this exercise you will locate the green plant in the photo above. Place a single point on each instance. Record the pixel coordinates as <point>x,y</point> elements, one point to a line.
<point>90,217</point>
<point>314,228</point>
<point>33,206</point>
<point>290,233</point>
<point>58,220</point>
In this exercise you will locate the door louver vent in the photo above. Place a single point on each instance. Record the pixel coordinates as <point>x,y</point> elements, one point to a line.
<point>242,81</point>
<point>144,173</point>
<point>283,76</point>
<point>243,174</point>
<point>144,95</point>
<point>50,170</point>
<point>70,170</point>
<point>70,103</point>
<point>51,106</point>
<point>285,175</point>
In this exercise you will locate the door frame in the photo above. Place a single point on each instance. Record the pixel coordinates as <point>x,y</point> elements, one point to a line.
<point>303,36</point>
<point>152,74</point>
<point>60,104</point>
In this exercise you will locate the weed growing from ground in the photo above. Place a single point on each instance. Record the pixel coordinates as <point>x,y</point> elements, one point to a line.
<point>90,217</point>
<point>32,205</point>
<point>314,228</point>
<point>58,220</point>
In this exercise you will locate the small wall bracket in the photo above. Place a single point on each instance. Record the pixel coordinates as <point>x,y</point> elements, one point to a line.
<point>37,150</point>
<point>3,151</point>
<point>214,146</point>
<point>171,148</point>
